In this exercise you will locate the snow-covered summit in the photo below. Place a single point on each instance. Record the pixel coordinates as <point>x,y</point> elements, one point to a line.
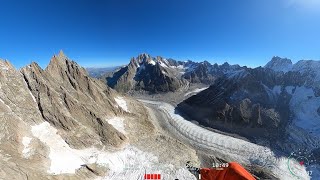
<point>279,64</point>
<point>306,65</point>
<point>308,69</point>
<point>285,65</point>
<point>145,58</point>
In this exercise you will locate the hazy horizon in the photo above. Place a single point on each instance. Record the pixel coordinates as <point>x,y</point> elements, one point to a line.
<point>114,63</point>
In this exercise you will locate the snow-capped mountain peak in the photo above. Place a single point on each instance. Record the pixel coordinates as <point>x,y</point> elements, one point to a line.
<point>145,58</point>
<point>162,62</point>
<point>279,64</point>
<point>306,65</point>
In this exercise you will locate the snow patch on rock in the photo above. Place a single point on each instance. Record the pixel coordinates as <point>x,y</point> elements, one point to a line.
<point>163,64</point>
<point>276,90</point>
<point>196,91</point>
<point>180,67</point>
<point>33,98</point>
<point>117,123</point>
<point>26,150</point>
<point>141,68</point>
<point>152,62</point>
<point>122,103</point>
<point>290,89</point>
<point>190,67</point>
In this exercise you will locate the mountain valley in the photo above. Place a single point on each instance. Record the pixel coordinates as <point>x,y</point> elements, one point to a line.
<point>154,115</point>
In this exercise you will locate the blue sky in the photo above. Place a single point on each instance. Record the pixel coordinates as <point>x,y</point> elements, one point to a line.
<point>107,33</point>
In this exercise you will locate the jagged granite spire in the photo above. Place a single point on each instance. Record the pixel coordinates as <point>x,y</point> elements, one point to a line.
<point>69,99</point>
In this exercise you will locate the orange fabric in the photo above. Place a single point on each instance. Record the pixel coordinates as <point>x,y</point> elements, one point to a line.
<point>234,172</point>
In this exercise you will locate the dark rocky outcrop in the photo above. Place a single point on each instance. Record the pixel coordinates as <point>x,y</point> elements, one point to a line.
<point>145,73</point>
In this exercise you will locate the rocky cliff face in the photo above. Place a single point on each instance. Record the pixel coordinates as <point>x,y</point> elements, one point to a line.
<point>69,99</point>
<point>63,97</point>
<point>200,73</point>
<point>18,111</point>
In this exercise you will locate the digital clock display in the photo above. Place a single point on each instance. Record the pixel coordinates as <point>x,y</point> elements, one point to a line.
<point>220,165</point>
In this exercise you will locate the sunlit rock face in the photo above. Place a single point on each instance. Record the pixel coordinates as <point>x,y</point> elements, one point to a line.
<point>64,97</point>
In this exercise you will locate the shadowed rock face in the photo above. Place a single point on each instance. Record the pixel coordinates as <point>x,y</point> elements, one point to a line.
<point>207,73</point>
<point>157,79</point>
<point>201,74</point>
<point>244,103</point>
<point>70,100</point>
<point>157,74</point>
<point>145,73</point>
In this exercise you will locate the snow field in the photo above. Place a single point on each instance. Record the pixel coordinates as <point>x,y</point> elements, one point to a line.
<point>121,103</point>
<point>128,162</point>
<point>63,158</point>
<point>304,105</point>
<point>117,123</point>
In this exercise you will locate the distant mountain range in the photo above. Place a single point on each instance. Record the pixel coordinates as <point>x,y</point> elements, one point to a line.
<point>158,74</point>
<point>97,72</point>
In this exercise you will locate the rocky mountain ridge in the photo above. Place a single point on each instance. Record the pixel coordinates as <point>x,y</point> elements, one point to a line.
<point>145,73</point>
<point>308,68</point>
<point>63,97</point>
<point>61,87</point>
<point>158,74</point>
